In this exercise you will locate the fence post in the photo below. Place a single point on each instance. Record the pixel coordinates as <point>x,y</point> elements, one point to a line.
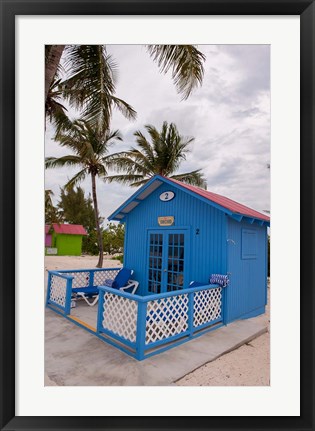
<point>91,278</point>
<point>68,295</point>
<point>223,305</point>
<point>48,287</point>
<point>191,313</point>
<point>141,329</point>
<point>100,308</point>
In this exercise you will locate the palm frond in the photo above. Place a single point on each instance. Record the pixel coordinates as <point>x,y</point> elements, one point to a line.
<point>124,179</point>
<point>111,137</point>
<point>126,109</point>
<point>80,176</point>
<point>91,85</point>
<point>154,134</point>
<point>101,171</point>
<point>145,145</point>
<point>123,162</point>
<point>54,109</point>
<point>61,121</point>
<point>186,63</point>
<point>194,178</point>
<point>54,162</point>
<point>104,141</point>
<point>141,182</point>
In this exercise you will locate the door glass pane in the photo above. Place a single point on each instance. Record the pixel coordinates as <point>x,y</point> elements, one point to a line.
<point>155,263</point>
<point>175,276</point>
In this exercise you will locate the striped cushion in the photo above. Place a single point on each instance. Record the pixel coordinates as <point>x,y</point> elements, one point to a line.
<point>220,279</point>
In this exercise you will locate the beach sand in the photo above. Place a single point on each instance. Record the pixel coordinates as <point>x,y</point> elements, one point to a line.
<point>249,365</point>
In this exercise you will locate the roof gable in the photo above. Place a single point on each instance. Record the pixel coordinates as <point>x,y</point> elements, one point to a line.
<point>234,209</point>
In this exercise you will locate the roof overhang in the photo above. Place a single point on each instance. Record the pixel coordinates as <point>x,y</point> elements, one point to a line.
<point>250,220</point>
<point>155,182</point>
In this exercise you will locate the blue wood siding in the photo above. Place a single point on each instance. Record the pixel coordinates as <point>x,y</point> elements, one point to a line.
<point>206,229</point>
<point>247,265</point>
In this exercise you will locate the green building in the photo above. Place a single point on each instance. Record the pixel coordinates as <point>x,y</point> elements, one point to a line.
<point>64,239</point>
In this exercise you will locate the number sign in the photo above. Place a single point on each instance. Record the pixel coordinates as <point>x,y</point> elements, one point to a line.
<point>167,196</point>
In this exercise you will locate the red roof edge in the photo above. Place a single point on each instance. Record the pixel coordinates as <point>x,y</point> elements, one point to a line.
<point>223,201</point>
<point>70,229</point>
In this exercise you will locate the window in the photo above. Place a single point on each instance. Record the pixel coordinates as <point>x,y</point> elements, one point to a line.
<point>249,244</point>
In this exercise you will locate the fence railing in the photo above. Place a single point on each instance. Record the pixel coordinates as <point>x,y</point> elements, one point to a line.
<point>61,282</point>
<point>145,325</point>
<point>140,325</point>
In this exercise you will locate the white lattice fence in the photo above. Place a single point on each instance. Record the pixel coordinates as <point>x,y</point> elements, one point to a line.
<point>101,276</point>
<point>166,317</point>
<point>207,306</point>
<point>120,316</point>
<point>58,290</point>
<point>81,279</point>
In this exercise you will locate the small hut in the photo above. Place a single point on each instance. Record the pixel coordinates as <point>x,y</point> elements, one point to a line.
<point>64,239</point>
<point>177,233</point>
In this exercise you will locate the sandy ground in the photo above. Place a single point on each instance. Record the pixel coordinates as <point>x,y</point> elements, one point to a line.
<point>249,365</point>
<point>77,262</point>
<point>246,366</point>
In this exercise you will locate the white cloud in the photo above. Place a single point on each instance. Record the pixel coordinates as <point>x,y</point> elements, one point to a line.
<point>229,116</point>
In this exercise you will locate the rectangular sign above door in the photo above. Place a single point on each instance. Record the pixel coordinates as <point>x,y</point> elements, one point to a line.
<point>166,221</point>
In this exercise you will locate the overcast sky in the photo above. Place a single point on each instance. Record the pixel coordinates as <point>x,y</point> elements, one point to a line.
<point>229,117</point>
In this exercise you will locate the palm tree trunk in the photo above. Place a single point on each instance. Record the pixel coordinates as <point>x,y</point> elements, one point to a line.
<point>52,63</point>
<point>97,223</point>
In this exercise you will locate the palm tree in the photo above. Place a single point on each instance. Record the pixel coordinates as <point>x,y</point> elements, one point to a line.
<point>89,147</point>
<point>184,61</point>
<point>162,156</point>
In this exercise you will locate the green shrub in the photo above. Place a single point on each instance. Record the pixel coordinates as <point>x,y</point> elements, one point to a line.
<point>113,238</point>
<point>120,258</point>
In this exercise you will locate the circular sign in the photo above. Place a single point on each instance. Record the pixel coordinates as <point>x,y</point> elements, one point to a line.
<point>167,196</point>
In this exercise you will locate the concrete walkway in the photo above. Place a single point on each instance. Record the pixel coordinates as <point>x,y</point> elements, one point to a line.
<point>74,357</point>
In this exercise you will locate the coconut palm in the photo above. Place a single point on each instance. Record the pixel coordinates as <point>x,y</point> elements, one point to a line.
<point>89,148</point>
<point>163,156</point>
<point>184,61</point>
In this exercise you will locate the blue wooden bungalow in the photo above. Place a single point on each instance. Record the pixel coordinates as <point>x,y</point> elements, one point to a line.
<point>176,234</point>
<point>178,239</point>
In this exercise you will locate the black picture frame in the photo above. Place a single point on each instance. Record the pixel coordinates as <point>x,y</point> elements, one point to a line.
<point>9,10</point>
